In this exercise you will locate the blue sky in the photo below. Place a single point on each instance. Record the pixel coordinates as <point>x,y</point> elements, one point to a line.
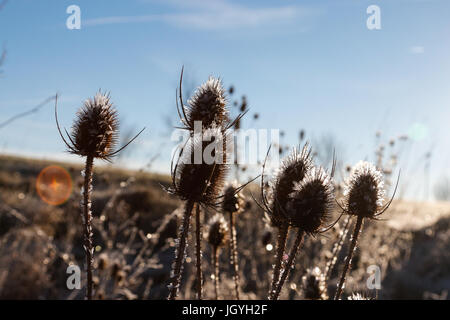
<point>309,65</point>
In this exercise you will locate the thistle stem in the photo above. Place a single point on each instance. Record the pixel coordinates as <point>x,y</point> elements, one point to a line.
<point>181,251</point>
<point>87,223</point>
<point>215,258</point>
<point>198,250</point>
<point>292,254</point>
<point>281,246</point>
<point>233,254</point>
<point>348,260</point>
<point>337,247</point>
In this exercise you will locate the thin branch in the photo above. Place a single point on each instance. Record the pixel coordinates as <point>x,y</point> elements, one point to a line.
<point>26,113</point>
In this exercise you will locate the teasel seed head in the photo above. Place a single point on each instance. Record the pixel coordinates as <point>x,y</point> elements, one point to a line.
<point>266,237</point>
<point>233,201</point>
<point>364,191</point>
<point>293,170</point>
<point>217,231</point>
<point>310,204</point>
<point>314,285</point>
<point>208,105</point>
<point>201,180</point>
<point>95,131</point>
<point>358,296</point>
<point>103,262</point>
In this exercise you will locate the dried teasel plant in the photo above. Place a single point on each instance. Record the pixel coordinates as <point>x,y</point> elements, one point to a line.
<point>94,136</point>
<point>217,238</point>
<point>206,111</point>
<point>359,296</point>
<point>308,209</point>
<point>207,107</point>
<point>363,197</point>
<point>293,169</point>
<point>232,204</point>
<point>314,285</point>
<point>197,180</point>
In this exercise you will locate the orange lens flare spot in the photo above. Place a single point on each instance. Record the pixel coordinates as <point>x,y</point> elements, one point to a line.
<point>54,185</point>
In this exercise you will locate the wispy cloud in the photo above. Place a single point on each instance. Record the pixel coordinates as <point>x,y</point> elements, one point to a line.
<point>211,15</point>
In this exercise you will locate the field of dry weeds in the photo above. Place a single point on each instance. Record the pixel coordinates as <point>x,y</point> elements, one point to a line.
<point>135,225</point>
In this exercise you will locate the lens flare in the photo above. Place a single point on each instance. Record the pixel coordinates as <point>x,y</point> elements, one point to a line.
<point>54,185</point>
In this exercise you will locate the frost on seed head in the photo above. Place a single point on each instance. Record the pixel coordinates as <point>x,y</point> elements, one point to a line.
<point>292,170</point>
<point>314,285</point>
<point>217,231</point>
<point>233,201</point>
<point>358,296</point>
<point>208,105</point>
<point>310,204</point>
<point>202,168</point>
<point>95,131</point>
<point>364,190</point>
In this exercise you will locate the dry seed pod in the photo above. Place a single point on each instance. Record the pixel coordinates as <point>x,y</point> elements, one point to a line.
<point>310,204</point>
<point>363,198</point>
<point>217,231</point>
<point>201,180</point>
<point>103,262</point>
<point>314,286</point>
<point>364,191</point>
<point>358,296</point>
<point>208,105</point>
<point>232,204</point>
<point>292,170</point>
<point>266,238</point>
<point>308,209</point>
<point>95,131</point>
<point>233,201</point>
<point>217,237</point>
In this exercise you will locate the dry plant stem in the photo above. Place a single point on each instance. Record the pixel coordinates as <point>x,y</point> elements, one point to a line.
<point>180,252</point>
<point>336,249</point>
<point>281,246</point>
<point>87,223</point>
<point>234,258</point>
<point>215,258</point>
<point>348,260</point>
<point>290,263</point>
<point>198,252</point>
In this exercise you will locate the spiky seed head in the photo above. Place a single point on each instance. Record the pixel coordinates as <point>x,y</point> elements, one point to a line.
<point>358,296</point>
<point>310,204</point>
<point>217,231</point>
<point>103,262</point>
<point>232,200</point>
<point>266,237</point>
<point>116,267</point>
<point>95,131</point>
<point>208,105</point>
<point>292,170</point>
<point>201,171</point>
<point>364,190</point>
<point>314,285</point>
